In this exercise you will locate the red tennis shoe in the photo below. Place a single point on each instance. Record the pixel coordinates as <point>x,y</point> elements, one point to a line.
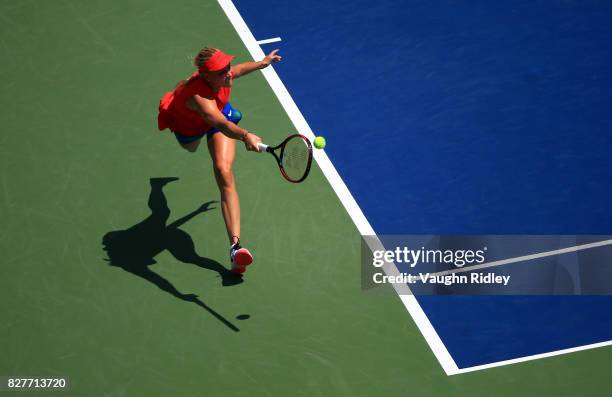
<point>240,258</point>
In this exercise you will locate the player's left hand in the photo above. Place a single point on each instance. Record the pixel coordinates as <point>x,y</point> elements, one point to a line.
<point>272,58</point>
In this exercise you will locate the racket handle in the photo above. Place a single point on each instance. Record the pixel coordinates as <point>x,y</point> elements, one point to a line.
<point>262,147</point>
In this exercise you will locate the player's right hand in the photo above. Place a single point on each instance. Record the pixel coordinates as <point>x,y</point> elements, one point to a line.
<point>250,142</point>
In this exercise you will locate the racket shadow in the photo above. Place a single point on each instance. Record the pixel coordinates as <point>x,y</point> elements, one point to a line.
<point>134,249</point>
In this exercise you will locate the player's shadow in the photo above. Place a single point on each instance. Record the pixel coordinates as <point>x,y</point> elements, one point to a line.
<point>134,249</point>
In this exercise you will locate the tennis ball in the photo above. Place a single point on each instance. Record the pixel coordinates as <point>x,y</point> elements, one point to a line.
<point>319,142</point>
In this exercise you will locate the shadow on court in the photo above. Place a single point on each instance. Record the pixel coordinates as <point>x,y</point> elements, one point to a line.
<point>134,249</point>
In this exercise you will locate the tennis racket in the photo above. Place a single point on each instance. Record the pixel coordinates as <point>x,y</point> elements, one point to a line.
<point>293,155</point>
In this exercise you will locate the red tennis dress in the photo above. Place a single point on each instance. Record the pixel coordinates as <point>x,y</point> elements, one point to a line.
<point>174,113</point>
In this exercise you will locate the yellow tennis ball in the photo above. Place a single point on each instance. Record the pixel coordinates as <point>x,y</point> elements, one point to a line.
<point>319,142</point>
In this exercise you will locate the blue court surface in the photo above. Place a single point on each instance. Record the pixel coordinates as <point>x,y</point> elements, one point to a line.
<point>475,117</point>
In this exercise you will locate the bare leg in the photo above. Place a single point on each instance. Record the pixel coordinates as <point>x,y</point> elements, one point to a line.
<point>223,151</point>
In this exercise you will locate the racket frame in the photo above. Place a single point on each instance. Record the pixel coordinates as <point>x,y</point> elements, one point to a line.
<point>272,151</point>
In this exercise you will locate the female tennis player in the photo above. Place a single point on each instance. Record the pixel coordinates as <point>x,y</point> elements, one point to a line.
<point>199,106</point>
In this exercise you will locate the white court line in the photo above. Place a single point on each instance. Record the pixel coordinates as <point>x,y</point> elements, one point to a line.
<point>344,195</point>
<point>524,258</point>
<point>363,226</point>
<point>533,357</point>
<point>268,41</point>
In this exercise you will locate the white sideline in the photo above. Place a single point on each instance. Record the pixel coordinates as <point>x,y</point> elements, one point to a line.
<point>347,200</point>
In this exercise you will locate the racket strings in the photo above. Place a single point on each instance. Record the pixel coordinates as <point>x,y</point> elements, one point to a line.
<point>295,158</point>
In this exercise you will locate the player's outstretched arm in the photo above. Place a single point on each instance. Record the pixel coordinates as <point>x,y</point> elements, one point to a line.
<point>245,68</point>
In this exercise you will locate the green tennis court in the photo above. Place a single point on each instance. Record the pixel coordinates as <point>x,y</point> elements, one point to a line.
<point>81,83</point>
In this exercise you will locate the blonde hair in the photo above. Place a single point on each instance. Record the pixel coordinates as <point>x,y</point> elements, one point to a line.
<point>203,56</point>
